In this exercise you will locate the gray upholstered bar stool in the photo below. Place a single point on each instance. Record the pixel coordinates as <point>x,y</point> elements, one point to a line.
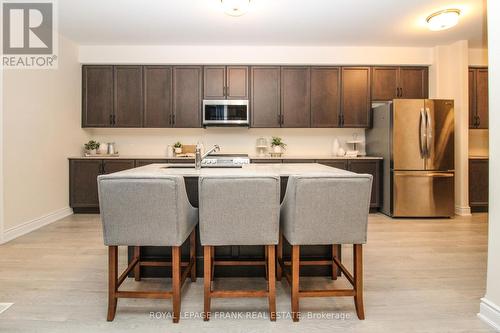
<point>147,211</point>
<point>239,211</point>
<point>325,210</point>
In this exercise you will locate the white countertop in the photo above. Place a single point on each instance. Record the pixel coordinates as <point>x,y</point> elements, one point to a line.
<point>276,169</point>
<point>252,157</point>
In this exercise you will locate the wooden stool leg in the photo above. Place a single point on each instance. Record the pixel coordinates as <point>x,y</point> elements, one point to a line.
<point>266,254</point>
<point>295,281</point>
<point>207,280</point>
<point>192,254</point>
<point>335,254</point>
<point>176,282</point>
<point>279,254</point>
<point>112,281</point>
<point>212,262</point>
<point>137,268</point>
<point>358,280</point>
<point>271,282</point>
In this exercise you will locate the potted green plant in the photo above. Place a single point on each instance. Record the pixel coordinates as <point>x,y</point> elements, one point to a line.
<point>91,147</point>
<point>278,145</point>
<point>178,147</point>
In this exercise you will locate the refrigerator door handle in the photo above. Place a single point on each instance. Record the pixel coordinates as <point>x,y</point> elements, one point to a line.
<point>428,143</point>
<point>422,133</point>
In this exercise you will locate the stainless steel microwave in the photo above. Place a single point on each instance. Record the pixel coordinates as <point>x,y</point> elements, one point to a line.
<point>225,112</point>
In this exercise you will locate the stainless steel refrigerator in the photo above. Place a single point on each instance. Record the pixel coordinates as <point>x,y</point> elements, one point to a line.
<point>416,139</point>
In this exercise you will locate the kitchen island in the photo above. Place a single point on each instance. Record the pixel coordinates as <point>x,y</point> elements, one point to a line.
<point>190,174</point>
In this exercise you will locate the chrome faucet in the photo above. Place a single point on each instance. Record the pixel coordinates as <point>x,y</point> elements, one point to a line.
<point>199,157</point>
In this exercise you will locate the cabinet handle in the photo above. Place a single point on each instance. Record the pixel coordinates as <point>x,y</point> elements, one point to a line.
<point>173,119</point>
<point>282,119</point>
<point>478,121</point>
<point>279,119</point>
<point>170,119</point>
<point>400,92</point>
<point>111,119</point>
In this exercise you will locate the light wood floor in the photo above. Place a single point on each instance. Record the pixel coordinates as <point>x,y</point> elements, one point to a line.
<point>420,276</point>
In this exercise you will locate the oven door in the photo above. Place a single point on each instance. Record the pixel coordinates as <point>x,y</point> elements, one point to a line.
<point>225,112</point>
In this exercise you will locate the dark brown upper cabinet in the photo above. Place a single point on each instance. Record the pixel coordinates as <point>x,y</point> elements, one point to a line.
<point>157,96</point>
<point>385,83</point>
<point>478,98</point>
<point>325,97</point>
<point>97,96</point>
<point>128,97</point>
<point>295,97</point>
<point>414,82</point>
<point>399,82</point>
<point>187,96</point>
<point>265,96</point>
<point>225,82</point>
<point>355,101</point>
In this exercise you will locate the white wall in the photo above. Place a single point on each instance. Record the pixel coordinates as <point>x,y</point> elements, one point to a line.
<point>490,304</point>
<point>41,127</point>
<point>305,142</point>
<point>2,211</point>
<point>478,57</point>
<point>449,79</point>
<point>179,54</point>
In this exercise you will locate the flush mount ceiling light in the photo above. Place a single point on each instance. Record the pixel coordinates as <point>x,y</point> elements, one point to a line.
<point>235,7</point>
<point>442,20</point>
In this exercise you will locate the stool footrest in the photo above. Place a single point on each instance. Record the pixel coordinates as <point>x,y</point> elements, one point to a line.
<point>238,293</point>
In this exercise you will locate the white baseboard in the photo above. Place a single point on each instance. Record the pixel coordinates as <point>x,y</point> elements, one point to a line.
<point>29,226</point>
<point>462,211</point>
<point>489,312</point>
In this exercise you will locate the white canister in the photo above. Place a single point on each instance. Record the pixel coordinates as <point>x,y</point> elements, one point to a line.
<point>335,147</point>
<point>170,151</point>
<point>341,152</point>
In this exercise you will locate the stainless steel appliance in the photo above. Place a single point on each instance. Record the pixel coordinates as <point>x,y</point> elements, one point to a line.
<point>225,113</point>
<point>416,139</point>
<point>225,161</point>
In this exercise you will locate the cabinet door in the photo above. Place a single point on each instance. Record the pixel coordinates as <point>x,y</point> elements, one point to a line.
<point>214,82</point>
<point>157,96</point>
<point>472,99</point>
<point>111,166</point>
<point>187,96</point>
<point>371,167</point>
<point>295,97</point>
<point>356,103</point>
<point>237,82</point>
<point>478,183</point>
<point>265,97</point>
<point>385,83</point>
<point>339,164</point>
<point>83,183</point>
<point>128,96</point>
<point>97,95</point>
<point>482,97</point>
<point>325,96</point>
<point>413,82</point>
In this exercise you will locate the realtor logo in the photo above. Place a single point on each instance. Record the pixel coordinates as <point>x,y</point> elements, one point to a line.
<point>29,37</point>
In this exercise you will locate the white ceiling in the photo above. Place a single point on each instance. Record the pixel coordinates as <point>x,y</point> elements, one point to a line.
<point>269,22</point>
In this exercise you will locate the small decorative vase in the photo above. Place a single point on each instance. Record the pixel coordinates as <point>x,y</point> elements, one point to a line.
<point>341,152</point>
<point>277,149</point>
<point>170,151</point>
<point>178,150</point>
<point>93,152</point>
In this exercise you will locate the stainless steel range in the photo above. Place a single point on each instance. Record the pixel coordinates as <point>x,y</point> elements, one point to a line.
<point>225,161</point>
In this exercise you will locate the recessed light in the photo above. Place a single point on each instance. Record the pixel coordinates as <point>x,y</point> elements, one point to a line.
<point>442,20</point>
<point>235,7</point>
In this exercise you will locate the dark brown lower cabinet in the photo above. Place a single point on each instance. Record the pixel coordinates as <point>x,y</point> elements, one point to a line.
<point>83,196</point>
<point>478,184</point>
<point>139,163</point>
<point>372,167</point>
